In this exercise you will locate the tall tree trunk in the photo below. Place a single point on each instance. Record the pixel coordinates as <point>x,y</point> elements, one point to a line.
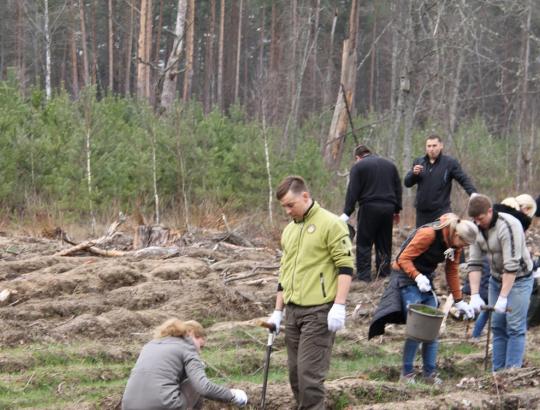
<point>522,157</point>
<point>73,53</point>
<point>371,91</point>
<point>333,150</point>
<point>171,70</point>
<point>221,101</point>
<point>19,46</point>
<point>144,47</point>
<point>314,59</point>
<point>238,52</point>
<point>110,83</point>
<point>209,60</point>
<point>190,40</point>
<point>86,72</point>
<point>328,91</point>
<point>94,44</point>
<point>48,88</point>
<point>157,50</point>
<point>129,50</point>
<point>394,92</point>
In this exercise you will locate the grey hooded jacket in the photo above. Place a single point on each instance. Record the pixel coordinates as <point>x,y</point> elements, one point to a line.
<point>154,383</point>
<point>504,244</point>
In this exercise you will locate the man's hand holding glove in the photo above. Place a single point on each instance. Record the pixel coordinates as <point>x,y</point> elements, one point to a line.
<point>500,306</point>
<point>336,317</point>
<point>239,397</point>
<point>275,319</point>
<point>465,308</point>
<point>423,283</point>
<point>477,303</point>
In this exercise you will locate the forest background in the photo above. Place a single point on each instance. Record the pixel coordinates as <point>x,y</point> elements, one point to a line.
<point>186,110</point>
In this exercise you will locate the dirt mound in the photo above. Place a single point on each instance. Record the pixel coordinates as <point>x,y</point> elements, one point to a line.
<point>64,297</point>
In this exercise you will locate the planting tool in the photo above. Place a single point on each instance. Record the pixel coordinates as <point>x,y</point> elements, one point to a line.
<point>490,310</point>
<point>271,336</point>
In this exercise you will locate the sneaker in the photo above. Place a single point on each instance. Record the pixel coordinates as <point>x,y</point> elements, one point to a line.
<point>408,378</point>
<point>432,379</point>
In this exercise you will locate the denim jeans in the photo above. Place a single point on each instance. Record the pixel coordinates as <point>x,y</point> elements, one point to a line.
<point>480,323</point>
<point>509,329</point>
<point>410,295</point>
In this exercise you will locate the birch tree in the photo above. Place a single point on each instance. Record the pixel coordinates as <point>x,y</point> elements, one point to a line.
<point>171,69</point>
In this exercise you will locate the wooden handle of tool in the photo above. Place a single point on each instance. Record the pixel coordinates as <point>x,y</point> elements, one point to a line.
<point>492,308</point>
<point>267,325</point>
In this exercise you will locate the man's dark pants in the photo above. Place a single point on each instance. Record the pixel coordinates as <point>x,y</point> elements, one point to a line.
<point>425,217</point>
<point>375,221</point>
<point>309,347</point>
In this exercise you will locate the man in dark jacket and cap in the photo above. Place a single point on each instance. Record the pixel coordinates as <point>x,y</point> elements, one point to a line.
<point>433,174</point>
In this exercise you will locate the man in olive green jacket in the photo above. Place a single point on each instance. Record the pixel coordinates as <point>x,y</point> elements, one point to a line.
<point>315,276</point>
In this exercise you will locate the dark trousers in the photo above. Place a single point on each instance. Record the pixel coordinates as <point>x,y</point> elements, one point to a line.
<point>425,217</point>
<point>375,221</point>
<point>309,347</point>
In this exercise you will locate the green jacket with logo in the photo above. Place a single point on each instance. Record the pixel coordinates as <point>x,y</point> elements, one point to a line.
<point>315,251</point>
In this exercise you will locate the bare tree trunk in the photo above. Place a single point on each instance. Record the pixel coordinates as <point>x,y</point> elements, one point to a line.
<point>267,161</point>
<point>158,35</point>
<point>371,91</point>
<point>394,94</point>
<point>111,47</point>
<point>327,94</point>
<point>238,52</point>
<point>129,50</point>
<point>171,70</point>
<point>209,60</point>
<point>19,46</point>
<point>333,150</point>
<point>154,178</point>
<point>190,40</point>
<point>94,44</point>
<point>144,50</point>
<point>48,88</point>
<point>221,101</point>
<point>522,157</point>
<point>73,53</point>
<point>86,73</point>
<point>315,57</point>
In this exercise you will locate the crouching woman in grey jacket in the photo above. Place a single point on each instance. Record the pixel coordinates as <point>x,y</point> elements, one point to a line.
<point>169,374</point>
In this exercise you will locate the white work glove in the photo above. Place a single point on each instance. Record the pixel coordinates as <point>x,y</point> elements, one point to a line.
<point>422,282</point>
<point>477,303</point>
<point>465,308</point>
<point>500,306</point>
<point>344,217</point>
<point>276,317</point>
<point>239,397</point>
<point>336,317</point>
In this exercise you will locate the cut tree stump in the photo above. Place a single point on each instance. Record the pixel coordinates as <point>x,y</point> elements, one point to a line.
<point>150,235</point>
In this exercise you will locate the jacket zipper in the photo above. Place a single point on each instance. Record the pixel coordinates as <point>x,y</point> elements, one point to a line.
<point>296,257</point>
<point>322,285</point>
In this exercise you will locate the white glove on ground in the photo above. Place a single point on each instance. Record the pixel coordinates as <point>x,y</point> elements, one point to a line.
<point>500,306</point>
<point>336,317</point>
<point>344,217</point>
<point>465,308</point>
<point>276,317</point>
<point>422,282</point>
<point>477,303</point>
<point>239,397</point>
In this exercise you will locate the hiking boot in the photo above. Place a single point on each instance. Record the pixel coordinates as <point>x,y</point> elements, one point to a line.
<point>408,378</point>
<point>432,379</point>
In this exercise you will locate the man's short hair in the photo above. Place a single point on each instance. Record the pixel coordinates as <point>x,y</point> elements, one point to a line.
<point>361,151</point>
<point>434,137</point>
<point>478,205</point>
<point>293,183</point>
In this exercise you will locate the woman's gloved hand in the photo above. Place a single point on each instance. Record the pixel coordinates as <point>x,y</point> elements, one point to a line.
<point>423,283</point>
<point>240,398</point>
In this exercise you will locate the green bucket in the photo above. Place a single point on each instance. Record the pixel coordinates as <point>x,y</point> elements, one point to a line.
<point>423,322</point>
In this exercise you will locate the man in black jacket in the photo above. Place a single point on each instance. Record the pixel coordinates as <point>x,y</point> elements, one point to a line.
<point>376,186</point>
<point>433,173</point>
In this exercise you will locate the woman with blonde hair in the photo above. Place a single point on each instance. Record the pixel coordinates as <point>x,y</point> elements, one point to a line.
<point>169,373</point>
<point>411,282</point>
